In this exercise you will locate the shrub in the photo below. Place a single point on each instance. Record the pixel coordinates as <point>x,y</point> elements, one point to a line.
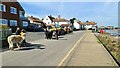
<point>3,26</point>
<point>111,44</point>
<point>4,31</point>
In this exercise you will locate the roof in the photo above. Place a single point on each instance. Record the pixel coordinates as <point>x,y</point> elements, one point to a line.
<point>109,26</point>
<point>102,27</point>
<point>90,23</point>
<point>34,19</point>
<point>60,20</point>
<point>65,24</point>
<point>81,23</point>
<point>20,6</point>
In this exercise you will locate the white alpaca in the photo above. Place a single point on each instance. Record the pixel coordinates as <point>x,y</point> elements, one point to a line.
<point>15,39</point>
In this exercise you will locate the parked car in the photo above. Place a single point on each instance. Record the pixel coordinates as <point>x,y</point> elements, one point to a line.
<point>33,28</point>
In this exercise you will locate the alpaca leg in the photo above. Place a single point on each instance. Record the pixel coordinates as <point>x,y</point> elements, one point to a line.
<point>9,42</point>
<point>10,45</point>
<point>18,46</point>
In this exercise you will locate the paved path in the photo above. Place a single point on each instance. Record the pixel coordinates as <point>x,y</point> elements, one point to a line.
<point>90,53</point>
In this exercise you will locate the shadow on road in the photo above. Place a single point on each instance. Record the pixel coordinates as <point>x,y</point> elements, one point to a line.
<point>59,38</point>
<point>31,46</point>
<point>62,38</point>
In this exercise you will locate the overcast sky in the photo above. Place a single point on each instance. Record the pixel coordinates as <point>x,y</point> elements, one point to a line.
<point>104,13</point>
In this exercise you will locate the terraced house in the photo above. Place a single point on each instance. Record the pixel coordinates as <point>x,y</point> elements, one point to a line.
<point>12,14</point>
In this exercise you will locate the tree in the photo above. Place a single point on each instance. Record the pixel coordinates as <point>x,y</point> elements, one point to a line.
<point>87,21</point>
<point>72,21</point>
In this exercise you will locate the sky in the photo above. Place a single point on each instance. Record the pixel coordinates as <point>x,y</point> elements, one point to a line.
<point>103,13</point>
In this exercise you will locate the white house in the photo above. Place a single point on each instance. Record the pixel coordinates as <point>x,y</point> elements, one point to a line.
<point>78,25</point>
<point>90,25</point>
<point>48,20</point>
<point>59,21</point>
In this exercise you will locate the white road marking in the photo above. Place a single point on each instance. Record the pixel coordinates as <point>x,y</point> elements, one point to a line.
<point>63,60</point>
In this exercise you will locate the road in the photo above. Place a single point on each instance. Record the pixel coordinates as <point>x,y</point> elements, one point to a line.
<point>41,52</point>
<point>34,36</point>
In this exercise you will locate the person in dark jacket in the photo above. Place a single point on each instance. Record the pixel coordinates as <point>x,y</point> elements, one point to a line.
<point>24,41</point>
<point>17,31</point>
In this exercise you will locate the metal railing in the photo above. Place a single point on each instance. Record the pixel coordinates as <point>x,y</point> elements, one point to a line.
<point>5,33</point>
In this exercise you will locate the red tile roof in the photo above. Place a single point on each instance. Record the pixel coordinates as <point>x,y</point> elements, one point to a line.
<point>65,24</point>
<point>60,20</point>
<point>81,23</point>
<point>90,23</point>
<point>34,19</point>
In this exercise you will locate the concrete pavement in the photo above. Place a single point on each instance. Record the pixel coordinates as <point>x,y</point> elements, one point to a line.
<point>90,53</point>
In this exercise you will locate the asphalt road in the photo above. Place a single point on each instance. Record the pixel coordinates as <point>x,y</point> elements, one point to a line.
<point>41,52</point>
<point>33,36</point>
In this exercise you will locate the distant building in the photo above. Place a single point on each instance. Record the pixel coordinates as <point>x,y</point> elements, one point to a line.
<point>90,25</point>
<point>36,21</point>
<point>48,20</point>
<point>102,27</point>
<point>110,27</point>
<point>78,25</point>
<point>12,14</point>
<point>59,21</point>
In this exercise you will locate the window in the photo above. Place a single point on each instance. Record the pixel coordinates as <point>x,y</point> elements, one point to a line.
<point>21,13</point>
<point>13,22</point>
<point>3,21</point>
<point>25,23</point>
<point>2,8</point>
<point>13,10</point>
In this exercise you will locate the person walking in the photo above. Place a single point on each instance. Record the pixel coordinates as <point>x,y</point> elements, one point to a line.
<point>17,32</point>
<point>21,33</point>
<point>101,31</point>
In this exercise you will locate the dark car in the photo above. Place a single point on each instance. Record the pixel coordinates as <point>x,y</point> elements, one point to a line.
<point>33,28</point>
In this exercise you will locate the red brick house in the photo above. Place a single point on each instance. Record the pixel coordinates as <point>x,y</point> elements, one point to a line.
<point>12,14</point>
<point>36,21</point>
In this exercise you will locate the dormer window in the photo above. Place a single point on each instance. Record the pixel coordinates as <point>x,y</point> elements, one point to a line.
<point>2,8</point>
<point>13,10</point>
